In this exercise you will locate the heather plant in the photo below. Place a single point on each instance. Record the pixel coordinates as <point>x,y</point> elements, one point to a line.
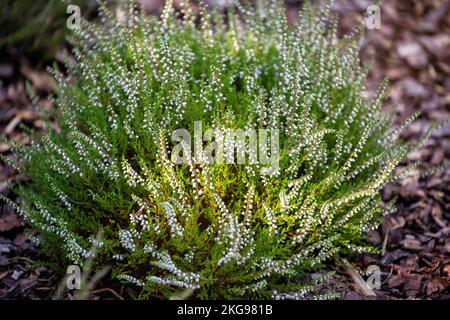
<point>219,230</point>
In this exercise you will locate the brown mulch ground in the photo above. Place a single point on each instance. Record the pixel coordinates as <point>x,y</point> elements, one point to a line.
<point>412,48</point>
<point>19,279</point>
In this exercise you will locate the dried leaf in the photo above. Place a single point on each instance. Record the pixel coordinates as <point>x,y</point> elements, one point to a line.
<point>9,222</point>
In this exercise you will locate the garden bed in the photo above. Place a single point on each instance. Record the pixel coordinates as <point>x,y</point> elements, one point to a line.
<point>413,49</point>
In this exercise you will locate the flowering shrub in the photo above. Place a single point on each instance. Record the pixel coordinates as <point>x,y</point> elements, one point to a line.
<point>221,230</point>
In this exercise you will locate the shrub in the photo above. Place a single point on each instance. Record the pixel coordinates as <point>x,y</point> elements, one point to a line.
<point>221,230</point>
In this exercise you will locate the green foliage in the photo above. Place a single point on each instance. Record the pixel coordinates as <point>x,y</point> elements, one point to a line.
<point>224,231</point>
<point>35,29</point>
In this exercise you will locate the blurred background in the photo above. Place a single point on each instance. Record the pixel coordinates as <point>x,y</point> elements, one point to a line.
<point>411,48</point>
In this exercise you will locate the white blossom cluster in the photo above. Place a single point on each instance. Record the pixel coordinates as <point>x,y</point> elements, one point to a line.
<point>175,228</point>
<point>127,239</point>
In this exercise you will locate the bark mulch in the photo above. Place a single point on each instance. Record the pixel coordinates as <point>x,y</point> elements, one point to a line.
<point>412,49</point>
